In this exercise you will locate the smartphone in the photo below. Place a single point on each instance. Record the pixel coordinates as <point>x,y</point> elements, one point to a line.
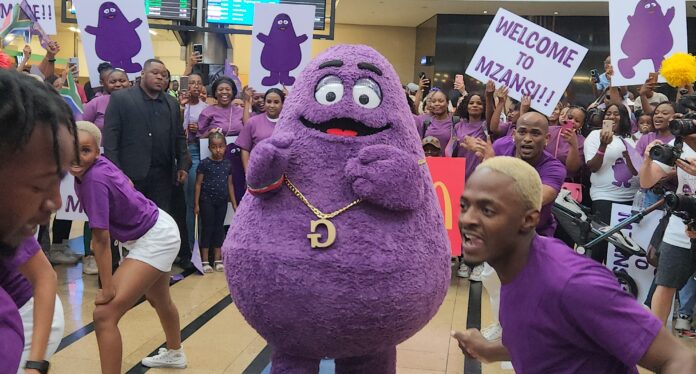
<point>184,83</point>
<point>459,79</point>
<point>72,61</point>
<point>652,77</point>
<point>594,75</point>
<point>198,48</point>
<point>608,125</point>
<point>567,125</point>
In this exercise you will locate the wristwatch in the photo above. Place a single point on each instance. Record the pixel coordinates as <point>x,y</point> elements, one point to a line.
<point>41,366</point>
<point>51,60</point>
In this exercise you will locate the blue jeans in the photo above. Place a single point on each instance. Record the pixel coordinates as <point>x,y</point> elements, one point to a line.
<point>687,297</point>
<point>190,188</point>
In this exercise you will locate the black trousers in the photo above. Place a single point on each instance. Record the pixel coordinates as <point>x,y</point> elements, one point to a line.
<point>212,223</point>
<point>158,187</point>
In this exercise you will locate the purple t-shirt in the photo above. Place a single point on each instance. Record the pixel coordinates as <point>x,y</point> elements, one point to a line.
<point>94,110</point>
<point>11,333</point>
<point>648,138</point>
<point>258,128</point>
<point>552,173</point>
<point>113,204</point>
<point>565,313</point>
<point>441,129</point>
<point>17,286</point>
<point>506,128</point>
<point>228,119</point>
<point>463,129</point>
<point>559,147</point>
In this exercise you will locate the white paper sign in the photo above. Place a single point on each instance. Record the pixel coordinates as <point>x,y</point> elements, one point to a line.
<point>44,11</point>
<point>642,34</point>
<point>72,209</point>
<point>636,267</point>
<point>116,32</point>
<point>527,58</point>
<point>281,44</point>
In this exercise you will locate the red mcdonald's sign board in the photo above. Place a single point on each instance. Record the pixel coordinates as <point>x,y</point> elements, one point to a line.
<point>448,180</point>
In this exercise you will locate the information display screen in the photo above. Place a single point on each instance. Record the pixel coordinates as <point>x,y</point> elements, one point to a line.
<point>241,12</point>
<point>178,10</point>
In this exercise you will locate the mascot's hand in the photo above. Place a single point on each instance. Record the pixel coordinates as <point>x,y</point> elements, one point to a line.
<point>387,176</point>
<point>268,162</point>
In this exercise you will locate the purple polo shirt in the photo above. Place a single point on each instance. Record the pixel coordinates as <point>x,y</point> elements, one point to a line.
<point>16,285</point>
<point>565,313</point>
<point>112,203</point>
<point>229,119</point>
<point>552,173</point>
<point>258,128</point>
<point>463,129</point>
<point>11,333</point>
<point>94,110</point>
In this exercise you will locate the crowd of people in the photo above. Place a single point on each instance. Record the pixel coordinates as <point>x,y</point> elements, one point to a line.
<point>146,186</point>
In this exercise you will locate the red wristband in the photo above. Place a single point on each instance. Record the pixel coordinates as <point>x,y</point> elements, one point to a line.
<point>270,187</point>
<point>600,153</point>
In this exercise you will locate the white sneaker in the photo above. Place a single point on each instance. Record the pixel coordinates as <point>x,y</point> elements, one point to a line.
<point>683,323</point>
<point>56,257</point>
<point>476,273</point>
<point>219,266</point>
<point>166,359</point>
<point>89,265</point>
<point>463,271</point>
<point>493,332</point>
<point>207,268</point>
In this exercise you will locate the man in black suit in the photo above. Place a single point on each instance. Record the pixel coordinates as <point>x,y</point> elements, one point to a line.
<point>144,137</point>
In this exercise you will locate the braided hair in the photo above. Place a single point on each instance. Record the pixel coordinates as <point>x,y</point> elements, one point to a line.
<point>26,103</point>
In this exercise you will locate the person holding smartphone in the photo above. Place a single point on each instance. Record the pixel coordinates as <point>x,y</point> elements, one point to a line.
<point>614,178</point>
<point>566,144</point>
<point>648,95</point>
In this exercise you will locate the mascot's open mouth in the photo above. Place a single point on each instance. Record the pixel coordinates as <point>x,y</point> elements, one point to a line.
<point>343,127</point>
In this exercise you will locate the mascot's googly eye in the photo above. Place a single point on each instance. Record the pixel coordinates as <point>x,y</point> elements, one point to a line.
<point>113,10</point>
<point>280,22</point>
<point>367,93</point>
<point>286,22</point>
<point>106,11</point>
<point>329,91</point>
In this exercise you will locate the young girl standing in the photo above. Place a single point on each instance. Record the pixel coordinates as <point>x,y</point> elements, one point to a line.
<point>116,209</point>
<point>214,189</point>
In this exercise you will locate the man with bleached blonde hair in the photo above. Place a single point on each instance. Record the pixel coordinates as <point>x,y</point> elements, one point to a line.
<point>560,312</point>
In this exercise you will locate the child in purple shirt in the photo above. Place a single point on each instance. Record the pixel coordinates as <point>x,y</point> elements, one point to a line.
<point>116,209</point>
<point>560,312</point>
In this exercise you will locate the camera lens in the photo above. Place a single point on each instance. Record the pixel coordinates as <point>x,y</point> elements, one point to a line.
<point>682,127</point>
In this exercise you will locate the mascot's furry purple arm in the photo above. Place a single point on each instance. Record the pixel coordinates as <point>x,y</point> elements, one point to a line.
<point>339,250</point>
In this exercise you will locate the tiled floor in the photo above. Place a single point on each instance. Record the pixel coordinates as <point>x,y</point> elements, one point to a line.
<point>227,344</point>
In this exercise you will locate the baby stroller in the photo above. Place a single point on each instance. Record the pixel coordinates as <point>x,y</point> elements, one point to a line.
<point>587,231</point>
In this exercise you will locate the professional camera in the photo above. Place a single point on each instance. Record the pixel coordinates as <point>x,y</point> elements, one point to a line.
<point>684,126</point>
<point>684,207</point>
<point>666,154</point>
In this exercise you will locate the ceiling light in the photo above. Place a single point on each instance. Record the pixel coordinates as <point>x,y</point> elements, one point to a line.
<point>153,32</point>
<point>485,12</point>
<point>555,13</point>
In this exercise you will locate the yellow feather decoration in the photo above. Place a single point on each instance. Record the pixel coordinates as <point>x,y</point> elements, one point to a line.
<point>679,69</point>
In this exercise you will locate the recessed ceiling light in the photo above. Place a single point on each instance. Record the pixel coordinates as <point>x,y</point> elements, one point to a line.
<point>485,12</point>
<point>555,13</point>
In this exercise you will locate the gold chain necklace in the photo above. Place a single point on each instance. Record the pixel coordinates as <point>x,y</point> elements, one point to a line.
<point>313,236</point>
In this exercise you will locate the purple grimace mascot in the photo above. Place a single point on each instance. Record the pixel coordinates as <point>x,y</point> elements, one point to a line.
<point>339,250</point>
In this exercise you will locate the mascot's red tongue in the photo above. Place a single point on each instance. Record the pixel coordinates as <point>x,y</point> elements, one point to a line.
<point>340,132</point>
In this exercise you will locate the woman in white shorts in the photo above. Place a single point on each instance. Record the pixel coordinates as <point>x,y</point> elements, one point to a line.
<point>116,209</point>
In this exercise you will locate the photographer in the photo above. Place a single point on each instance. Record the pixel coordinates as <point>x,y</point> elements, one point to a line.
<point>677,262</point>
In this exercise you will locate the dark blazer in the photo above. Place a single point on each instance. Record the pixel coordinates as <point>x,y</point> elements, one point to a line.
<point>127,138</point>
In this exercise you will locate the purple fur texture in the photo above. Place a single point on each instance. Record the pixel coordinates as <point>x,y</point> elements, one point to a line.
<point>388,271</point>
